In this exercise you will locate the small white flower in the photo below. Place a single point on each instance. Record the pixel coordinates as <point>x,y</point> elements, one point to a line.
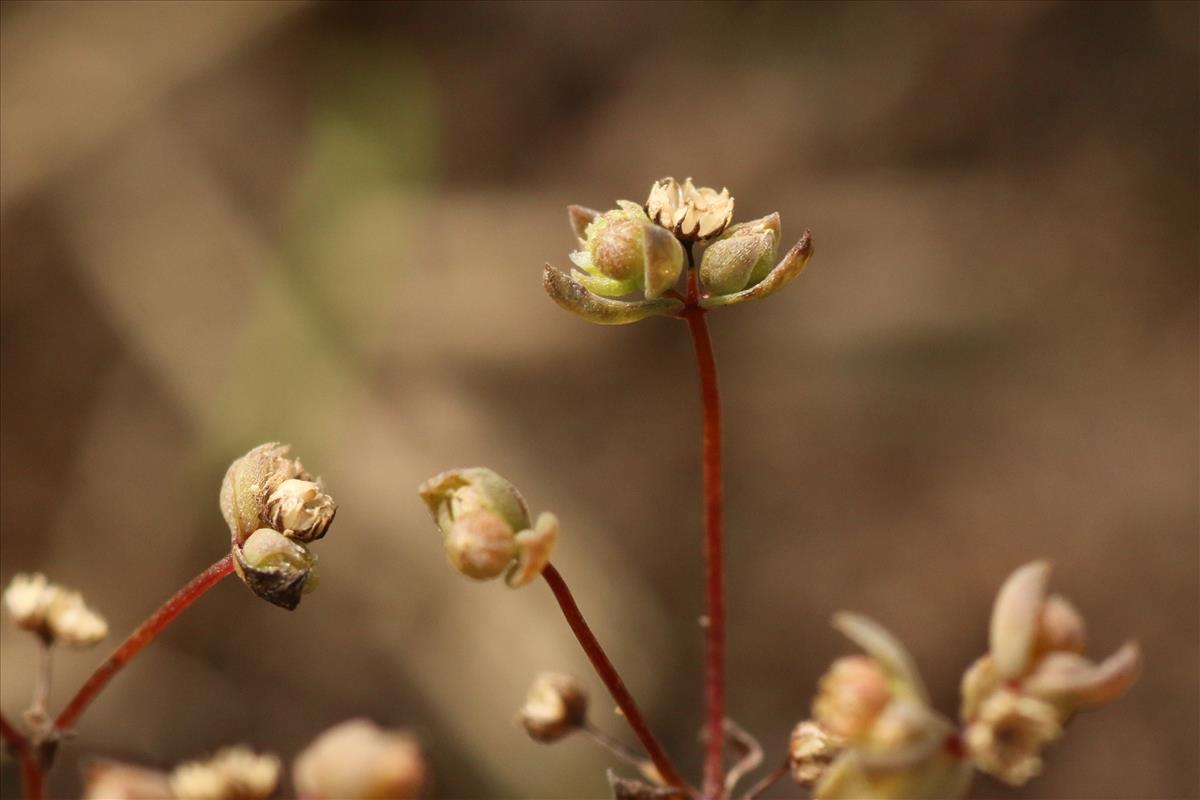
<point>71,622</point>
<point>28,599</point>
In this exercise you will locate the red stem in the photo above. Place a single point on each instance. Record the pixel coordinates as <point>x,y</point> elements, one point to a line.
<point>714,578</point>
<point>608,674</point>
<point>32,776</point>
<point>141,637</point>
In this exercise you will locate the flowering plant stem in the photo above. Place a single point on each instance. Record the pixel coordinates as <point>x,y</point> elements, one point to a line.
<point>714,575</point>
<point>145,633</point>
<point>608,673</point>
<point>32,776</point>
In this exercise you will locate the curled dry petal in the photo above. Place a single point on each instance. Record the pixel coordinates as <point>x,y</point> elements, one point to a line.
<point>1073,683</point>
<point>1015,618</point>
<point>878,643</point>
<point>791,265</point>
<point>534,548</point>
<point>573,296</point>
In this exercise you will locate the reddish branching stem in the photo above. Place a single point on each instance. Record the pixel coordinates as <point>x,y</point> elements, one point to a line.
<point>714,576</point>
<point>141,637</point>
<point>608,673</point>
<point>32,775</point>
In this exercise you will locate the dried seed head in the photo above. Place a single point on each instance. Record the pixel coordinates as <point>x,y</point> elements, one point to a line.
<point>276,568</point>
<point>811,750</point>
<point>1008,735</point>
<point>486,527</point>
<point>555,705</point>
<point>357,760</point>
<point>234,773</point>
<point>691,212</point>
<point>112,780</point>
<point>851,696</point>
<point>299,509</point>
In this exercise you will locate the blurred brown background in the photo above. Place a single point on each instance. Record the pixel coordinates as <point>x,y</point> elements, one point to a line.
<point>325,224</point>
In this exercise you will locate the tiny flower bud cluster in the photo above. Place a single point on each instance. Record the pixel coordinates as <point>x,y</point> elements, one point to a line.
<point>555,706</point>
<point>54,613</point>
<point>486,526</point>
<point>640,250</point>
<point>274,509</point>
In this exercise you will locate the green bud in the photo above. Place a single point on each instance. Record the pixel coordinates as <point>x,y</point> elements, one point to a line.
<point>741,257</point>
<point>486,526</point>
<point>624,252</point>
<point>791,265</point>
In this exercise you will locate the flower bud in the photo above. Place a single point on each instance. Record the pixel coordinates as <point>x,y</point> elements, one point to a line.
<point>555,706</point>
<point>623,253</point>
<point>486,527</point>
<point>1060,627</point>
<point>852,694</point>
<point>357,760</point>
<point>299,509</point>
<point>276,568</point>
<point>783,273</point>
<point>691,212</point>
<point>234,773</point>
<point>112,780</point>
<point>811,750</point>
<point>741,257</point>
<point>480,544</point>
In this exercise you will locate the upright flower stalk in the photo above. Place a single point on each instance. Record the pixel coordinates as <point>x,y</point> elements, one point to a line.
<point>714,567</point>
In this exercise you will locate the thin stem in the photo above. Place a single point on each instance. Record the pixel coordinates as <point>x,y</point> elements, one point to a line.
<point>32,776</point>
<point>141,637</point>
<point>616,748</point>
<point>714,576</point>
<point>612,679</point>
<point>41,686</point>
<point>767,781</point>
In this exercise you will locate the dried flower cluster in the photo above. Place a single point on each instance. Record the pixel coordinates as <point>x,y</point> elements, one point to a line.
<point>274,509</point>
<point>54,613</point>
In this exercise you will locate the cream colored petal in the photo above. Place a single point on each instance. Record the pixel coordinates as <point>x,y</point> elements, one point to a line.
<point>878,643</point>
<point>1015,618</point>
<point>534,548</point>
<point>1074,683</point>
